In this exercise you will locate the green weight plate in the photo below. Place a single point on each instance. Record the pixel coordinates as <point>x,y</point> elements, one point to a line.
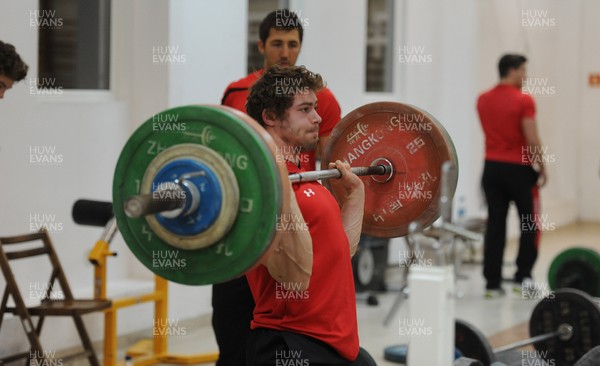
<point>248,149</point>
<point>576,268</point>
<point>566,307</point>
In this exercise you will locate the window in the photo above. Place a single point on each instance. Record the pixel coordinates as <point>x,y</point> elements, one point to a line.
<point>74,43</point>
<point>257,10</point>
<point>380,46</point>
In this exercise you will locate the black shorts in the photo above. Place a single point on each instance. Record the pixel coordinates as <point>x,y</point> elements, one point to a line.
<point>268,347</point>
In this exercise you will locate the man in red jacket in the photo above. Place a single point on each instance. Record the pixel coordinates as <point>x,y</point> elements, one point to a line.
<point>514,168</point>
<point>280,42</point>
<point>280,45</point>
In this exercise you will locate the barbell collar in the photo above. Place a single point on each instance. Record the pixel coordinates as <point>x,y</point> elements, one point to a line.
<point>191,202</point>
<point>565,332</point>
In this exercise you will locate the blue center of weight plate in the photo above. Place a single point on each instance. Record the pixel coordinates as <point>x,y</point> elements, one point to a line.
<point>207,184</point>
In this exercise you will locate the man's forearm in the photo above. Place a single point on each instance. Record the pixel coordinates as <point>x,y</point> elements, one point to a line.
<point>352,217</point>
<point>291,258</point>
<point>535,152</point>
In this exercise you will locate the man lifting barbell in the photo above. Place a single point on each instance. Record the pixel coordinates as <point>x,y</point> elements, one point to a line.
<point>312,260</point>
<point>281,35</point>
<point>216,196</point>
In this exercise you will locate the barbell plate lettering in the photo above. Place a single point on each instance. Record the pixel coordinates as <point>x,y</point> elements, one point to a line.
<point>415,143</point>
<point>248,149</point>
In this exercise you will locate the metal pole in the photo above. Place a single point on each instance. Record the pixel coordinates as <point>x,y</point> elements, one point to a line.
<point>147,204</point>
<point>173,199</point>
<point>564,332</point>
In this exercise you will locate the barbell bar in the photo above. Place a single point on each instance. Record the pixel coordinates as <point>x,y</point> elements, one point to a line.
<point>377,168</point>
<point>564,333</point>
<point>172,200</point>
<point>192,169</point>
<point>564,327</point>
<point>147,204</point>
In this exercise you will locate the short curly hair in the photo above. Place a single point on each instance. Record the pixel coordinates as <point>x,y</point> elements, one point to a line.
<point>11,64</point>
<point>275,90</point>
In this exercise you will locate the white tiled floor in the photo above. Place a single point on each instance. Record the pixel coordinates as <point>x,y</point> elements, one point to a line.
<point>490,316</point>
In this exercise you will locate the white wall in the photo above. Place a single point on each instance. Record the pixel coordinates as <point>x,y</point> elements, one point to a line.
<point>563,54</point>
<point>212,35</point>
<point>447,86</point>
<point>148,28</point>
<point>466,39</point>
<point>85,133</point>
<point>335,49</point>
<point>588,161</point>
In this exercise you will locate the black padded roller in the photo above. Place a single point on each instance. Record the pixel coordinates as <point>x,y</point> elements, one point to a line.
<point>94,213</point>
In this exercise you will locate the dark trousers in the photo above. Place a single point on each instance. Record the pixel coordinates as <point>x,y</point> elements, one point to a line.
<point>268,347</point>
<point>233,306</point>
<point>504,183</point>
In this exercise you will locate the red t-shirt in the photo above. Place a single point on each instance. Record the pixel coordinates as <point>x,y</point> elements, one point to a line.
<point>501,112</point>
<point>327,309</point>
<point>329,109</point>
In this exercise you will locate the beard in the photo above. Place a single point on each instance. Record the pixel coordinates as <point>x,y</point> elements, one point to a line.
<point>304,140</point>
<point>310,145</point>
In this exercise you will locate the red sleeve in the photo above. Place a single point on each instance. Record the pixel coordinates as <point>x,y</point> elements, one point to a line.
<point>235,97</point>
<point>225,97</point>
<point>329,110</point>
<point>528,107</point>
<point>237,92</point>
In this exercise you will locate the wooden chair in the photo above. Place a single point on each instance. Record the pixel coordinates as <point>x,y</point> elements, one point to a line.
<point>65,306</point>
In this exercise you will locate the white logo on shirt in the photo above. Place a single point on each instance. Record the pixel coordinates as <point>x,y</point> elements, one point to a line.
<point>309,192</point>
